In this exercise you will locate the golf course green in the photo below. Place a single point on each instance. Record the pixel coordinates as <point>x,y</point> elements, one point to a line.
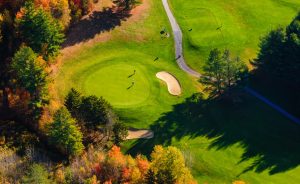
<point>249,142</point>
<point>130,84</point>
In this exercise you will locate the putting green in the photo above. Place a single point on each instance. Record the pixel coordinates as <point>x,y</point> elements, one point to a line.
<point>121,84</point>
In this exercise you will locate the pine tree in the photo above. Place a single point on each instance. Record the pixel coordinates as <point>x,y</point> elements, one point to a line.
<point>65,134</point>
<point>40,31</point>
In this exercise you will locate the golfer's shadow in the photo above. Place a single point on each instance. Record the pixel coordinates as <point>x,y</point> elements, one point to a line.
<point>132,84</point>
<point>132,74</point>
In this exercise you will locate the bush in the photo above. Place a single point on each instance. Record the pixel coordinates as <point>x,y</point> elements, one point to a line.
<point>37,174</point>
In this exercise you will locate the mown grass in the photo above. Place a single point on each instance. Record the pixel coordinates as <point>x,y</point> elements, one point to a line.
<point>221,142</point>
<point>236,25</point>
<point>103,70</point>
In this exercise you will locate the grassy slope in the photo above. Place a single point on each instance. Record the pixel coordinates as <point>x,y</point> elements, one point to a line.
<point>243,23</point>
<point>127,50</point>
<point>182,123</point>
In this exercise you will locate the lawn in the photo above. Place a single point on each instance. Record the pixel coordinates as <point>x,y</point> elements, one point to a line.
<point>236,25</point>
<point>221,143</point>
<point>107,69</point>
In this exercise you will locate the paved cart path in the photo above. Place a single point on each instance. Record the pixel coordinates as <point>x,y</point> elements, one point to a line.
<point>181,63</point>
<point>178,42</point>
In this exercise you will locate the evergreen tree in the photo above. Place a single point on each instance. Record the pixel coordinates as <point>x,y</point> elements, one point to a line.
<point>73,101</point>
<point>222,72</point>
<point>95,111</point>
<point>64,133</point>
<point>40,31</point>
<point>31,76</point>
<point>279,53</point>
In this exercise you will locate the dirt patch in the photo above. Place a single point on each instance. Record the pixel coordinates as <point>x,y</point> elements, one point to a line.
<point>140,134</point>
<point>174,87</point>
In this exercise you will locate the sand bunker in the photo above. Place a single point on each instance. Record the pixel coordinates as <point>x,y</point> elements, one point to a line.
<point>174,87</point>
<point>140,134</point>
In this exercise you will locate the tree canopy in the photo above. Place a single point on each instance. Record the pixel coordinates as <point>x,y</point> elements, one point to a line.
<point>222,72</point>
<point>279,53</point>
<point>65,134</point>
<point>40,31</point>
<point>30,75</point>
<point>168,166</point>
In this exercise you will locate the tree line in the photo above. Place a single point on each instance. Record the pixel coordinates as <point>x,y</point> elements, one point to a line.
<point>95,166</point>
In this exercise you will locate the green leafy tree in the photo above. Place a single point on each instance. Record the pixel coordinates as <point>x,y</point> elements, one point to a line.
<point>37,175</point>
<point>64,133</point>
<point>120,132</point>
<point>95,111</point>
<point>40,31</point>
<point>73,102</point>
<point>31,75</point>
<point>168,167</point>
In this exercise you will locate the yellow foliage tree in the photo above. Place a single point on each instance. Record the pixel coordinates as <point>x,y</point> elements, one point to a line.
<point>168,165</point>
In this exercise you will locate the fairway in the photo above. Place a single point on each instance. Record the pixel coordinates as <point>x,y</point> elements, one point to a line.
<point>236,25</point>
<point>121,84</point>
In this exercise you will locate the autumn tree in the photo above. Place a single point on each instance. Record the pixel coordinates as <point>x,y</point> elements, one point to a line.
<point>59,10</point>
<point>65,134</point>
<point>168,166</point>
<point>30,75</point>
<point>80,8</point>
<point>126,4</point>
<point>40,31</point>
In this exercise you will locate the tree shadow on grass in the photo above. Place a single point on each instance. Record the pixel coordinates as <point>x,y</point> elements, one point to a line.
<point>271,140</point>
<point>97,22</point>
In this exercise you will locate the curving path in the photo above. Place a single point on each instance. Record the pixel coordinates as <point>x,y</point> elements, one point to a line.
<point>181,63</point>
<point>178,42</point>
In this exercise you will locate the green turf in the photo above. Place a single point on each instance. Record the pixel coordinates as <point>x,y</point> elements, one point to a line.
<point>103,70</point>
<point>241,23</point>
<point>119,84</point>
<point>219,141</point>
